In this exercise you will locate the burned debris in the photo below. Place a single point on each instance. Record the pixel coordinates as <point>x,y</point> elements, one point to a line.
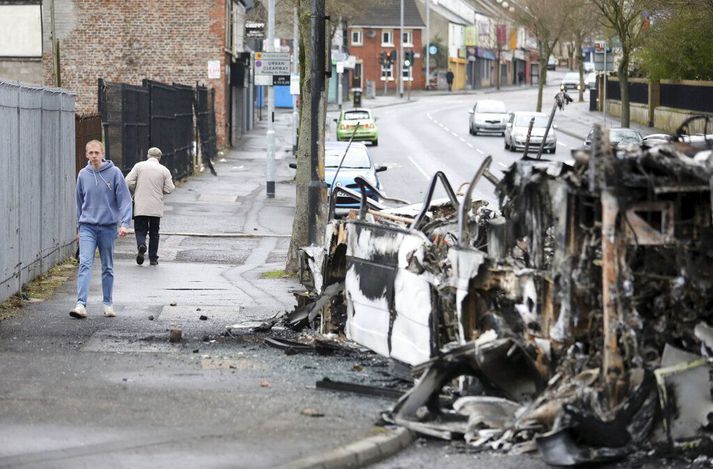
<point>574,319</point>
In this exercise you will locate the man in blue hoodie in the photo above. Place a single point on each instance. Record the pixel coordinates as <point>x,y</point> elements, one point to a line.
<point>103,203</point>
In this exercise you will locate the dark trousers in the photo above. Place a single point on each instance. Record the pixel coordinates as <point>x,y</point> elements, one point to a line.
<point>147,225</point>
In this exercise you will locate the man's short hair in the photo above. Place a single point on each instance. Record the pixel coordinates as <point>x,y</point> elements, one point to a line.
<point>154,152</point>
<point>94,142</point>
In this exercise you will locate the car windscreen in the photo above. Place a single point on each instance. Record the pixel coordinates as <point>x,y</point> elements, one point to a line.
<point>524,121</point>
<point>490,107</point>
<point>356,115</point>
<point>356,158</point>
<point>571,77</point>
<point>624,136</point>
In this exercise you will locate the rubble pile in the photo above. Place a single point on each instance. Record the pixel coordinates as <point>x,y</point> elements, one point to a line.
<point>575,320</point>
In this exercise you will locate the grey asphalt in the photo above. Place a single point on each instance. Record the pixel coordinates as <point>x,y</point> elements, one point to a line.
<point>116,393</point>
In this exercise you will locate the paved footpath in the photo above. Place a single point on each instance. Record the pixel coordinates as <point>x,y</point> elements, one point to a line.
<point>106,392</point>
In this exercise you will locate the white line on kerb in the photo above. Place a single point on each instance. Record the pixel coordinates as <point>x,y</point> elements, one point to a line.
<point>425,175</point>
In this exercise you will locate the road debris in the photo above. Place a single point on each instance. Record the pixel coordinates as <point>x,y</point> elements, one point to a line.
<point>175,335</point>
<point>575,319</point>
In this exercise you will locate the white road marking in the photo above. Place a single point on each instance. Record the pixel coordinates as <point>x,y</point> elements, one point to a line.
<point>454,134</point>
<point>479,151</point>
<point>502,164</point>
<point>563,144</point>
<point>425,175</point>
<point>446,128</point>
<point>461,139</point>
<point>469,144</point>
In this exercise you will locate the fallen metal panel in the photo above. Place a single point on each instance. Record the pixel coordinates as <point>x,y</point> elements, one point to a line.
<point>388,306</point>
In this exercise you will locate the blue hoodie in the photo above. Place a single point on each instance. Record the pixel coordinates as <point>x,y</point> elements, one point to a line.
<point>103,197</point>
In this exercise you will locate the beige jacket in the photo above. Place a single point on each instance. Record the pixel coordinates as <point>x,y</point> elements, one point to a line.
<point>149,180</point>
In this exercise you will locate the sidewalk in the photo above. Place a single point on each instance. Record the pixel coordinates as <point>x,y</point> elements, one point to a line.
<point>115,392</point>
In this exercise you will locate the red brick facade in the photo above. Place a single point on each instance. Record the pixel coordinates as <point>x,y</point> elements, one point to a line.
<point>129,40</point>
<point>368,53</point>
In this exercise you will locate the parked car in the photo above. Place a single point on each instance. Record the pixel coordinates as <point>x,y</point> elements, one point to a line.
<point>347,122</point>
<point>517,127</point>
<point>552,63</point>
<point>570,81</point>
<point>620,136</point>
<point>488,116</point>
<point>590,81</point>
<point>357,162</point>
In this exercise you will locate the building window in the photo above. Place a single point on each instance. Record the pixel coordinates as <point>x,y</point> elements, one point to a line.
<point>387,37</point>
<point>21,29</point>
<point>357,37</point>
<point>387,73</point>
<point>408,38</point>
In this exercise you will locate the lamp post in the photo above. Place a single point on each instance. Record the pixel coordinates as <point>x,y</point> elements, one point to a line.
<point>400,61</point>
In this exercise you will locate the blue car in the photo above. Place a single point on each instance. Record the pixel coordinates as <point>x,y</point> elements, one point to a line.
<point>356,162</point>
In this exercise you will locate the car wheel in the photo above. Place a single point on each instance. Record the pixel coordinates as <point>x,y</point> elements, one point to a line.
<point>470,130</point>
<point>507,147</point>
<point>553,150</point>
<point>375,142</point>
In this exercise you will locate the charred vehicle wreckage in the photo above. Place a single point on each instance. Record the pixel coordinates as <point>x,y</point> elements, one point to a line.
<point>575,319</point>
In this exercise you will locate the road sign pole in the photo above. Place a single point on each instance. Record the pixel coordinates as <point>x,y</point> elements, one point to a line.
<point>604,104</point>
<point>270,163</point>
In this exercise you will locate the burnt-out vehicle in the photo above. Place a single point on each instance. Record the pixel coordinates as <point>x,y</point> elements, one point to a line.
<point>575,318</point>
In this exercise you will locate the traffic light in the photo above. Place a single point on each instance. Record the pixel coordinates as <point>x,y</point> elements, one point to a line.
<point>408,58</point>
<point>382,58</point>
<point>393,57</point>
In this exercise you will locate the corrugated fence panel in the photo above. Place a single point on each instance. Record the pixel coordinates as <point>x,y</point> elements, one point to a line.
<point>37,182</point>
<point>9,174</point>
<point>30,190</point>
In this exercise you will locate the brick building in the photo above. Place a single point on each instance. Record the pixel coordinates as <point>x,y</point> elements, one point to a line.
<point>377,30</point>
<point>176,41</point>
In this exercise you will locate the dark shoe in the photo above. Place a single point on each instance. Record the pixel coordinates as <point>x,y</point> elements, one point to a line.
<point>153,261</point>
<point>140,255</point>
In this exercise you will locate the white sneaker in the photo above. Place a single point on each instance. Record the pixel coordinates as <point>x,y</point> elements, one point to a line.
<point>79,311</point>
<point>109,311</point>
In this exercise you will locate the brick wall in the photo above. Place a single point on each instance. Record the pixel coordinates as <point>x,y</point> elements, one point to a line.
<point>129,40</point>
<point>369,51</point>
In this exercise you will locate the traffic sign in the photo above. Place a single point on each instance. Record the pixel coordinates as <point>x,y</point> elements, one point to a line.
<point>433,50</point>
<point>272,67</point>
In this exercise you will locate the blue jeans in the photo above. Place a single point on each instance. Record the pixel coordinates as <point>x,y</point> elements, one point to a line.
<point>92,237</point>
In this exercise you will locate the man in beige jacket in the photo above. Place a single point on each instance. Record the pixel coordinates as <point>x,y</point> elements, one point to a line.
<point>149,180</point>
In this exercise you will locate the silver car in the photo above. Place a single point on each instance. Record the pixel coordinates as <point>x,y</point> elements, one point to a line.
<point>516,132</point>
<point>488,116</point>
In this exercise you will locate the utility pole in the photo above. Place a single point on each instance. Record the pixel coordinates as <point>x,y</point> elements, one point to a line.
<point>55,49</point>
<point>428,45</point>
<point>400,61</point>
<point>270,169</point>
<point>295,72</point>
<point>317,83</point>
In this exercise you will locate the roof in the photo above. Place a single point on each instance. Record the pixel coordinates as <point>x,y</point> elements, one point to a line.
<point>388,14</point>
<point>449,15</point>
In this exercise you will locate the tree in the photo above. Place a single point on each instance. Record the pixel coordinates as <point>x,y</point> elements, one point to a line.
<point>625,19</point>
<point>678,44</point>
<point>336,9</point>
<point>548,20</point>
<point>581,33</point>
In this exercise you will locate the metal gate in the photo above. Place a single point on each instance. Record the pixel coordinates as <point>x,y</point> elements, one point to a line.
<point>124,111</point>
<point>205,118</point>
